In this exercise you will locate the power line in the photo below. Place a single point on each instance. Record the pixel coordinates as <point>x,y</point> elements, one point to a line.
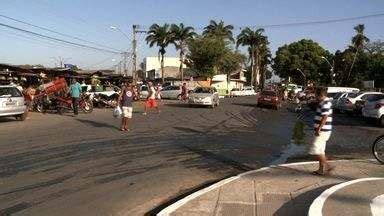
<point>56,32</point>
<point>295,24</point>
<point>59,40</point>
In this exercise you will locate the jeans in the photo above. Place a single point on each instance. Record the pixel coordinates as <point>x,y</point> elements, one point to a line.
<point>75,104</point>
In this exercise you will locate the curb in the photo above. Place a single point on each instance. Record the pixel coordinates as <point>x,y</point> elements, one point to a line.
<point>170,209</point>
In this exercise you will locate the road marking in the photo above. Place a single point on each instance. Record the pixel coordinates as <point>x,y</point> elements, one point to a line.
<point>377,206</point>
<point>316,207</point>
<point>172,208</point>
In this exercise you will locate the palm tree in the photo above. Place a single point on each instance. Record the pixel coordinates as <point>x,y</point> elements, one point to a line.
<point>358,42</point>
<point>219,30</point>
<point>180,36</point>
<point>161,36</point>
<point>256,42</point>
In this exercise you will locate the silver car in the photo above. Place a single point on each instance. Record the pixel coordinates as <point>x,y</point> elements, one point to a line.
<point>206,96</point>
<point>12,103</point>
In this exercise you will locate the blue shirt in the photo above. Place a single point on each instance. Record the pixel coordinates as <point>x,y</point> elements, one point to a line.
<point>75,90</point>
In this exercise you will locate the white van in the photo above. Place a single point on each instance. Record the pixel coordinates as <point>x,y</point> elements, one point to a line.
<point>332,91</point>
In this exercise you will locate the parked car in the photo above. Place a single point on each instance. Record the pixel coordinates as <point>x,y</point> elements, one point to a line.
<point>337,99</point>
<point>270,99</point>
<point>374,108</point>
<point>349,104</point>
<point>12,102</point>
<point>236,92</point>
<point>207,96</point>
<point>249,91</point>
<point>171,92</point>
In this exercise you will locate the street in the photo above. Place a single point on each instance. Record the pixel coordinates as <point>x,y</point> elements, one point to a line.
<point>64,165</point>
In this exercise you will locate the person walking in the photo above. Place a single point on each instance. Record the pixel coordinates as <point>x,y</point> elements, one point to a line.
<point>322,133</point>
<point>75,91</point>
<point>151,99</point>
<point>184,92</point>
<point>126,98</point>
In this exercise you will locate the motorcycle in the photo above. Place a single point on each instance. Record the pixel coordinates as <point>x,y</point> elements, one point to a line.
<point>85,104</point>
<point>103,101</point>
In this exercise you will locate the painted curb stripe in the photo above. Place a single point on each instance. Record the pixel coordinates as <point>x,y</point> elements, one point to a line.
<point>316,207</point>
<point>170,209</point>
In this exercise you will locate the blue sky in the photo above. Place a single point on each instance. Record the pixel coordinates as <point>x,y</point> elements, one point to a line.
<point>91,19</point>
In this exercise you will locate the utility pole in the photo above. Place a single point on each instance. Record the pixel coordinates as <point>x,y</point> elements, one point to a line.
<point>134,53</point>
<point>60,60</point>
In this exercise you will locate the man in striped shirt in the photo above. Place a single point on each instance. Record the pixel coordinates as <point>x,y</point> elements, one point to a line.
<point>323,130</point>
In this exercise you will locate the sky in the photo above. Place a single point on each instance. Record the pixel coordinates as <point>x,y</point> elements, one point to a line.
<point>90,20</point>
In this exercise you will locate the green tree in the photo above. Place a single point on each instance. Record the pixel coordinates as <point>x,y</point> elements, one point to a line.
<point>358,42</point>
<point>181,35</point>
<point>231,62</point>
<point>205,54</point>
<point>258,50</point>
<point>219,30</point>
<point>161,36</point>
<point>304,55</point>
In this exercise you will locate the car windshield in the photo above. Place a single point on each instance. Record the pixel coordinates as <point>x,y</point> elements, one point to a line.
<point>10,92</point>
<point>332,95</point>
<point>268,93</point>
<point>235,89</point>
<point>204,90</point>
<point>144,88</point>
<point>337,95</point>
<point>375,97</point>
<point>354,95</point>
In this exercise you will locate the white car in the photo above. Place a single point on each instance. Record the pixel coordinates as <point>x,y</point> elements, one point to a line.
<point>236,92</point>
<point>143,92</point>
<point>171,92</point>
<point>12,102</point>
<point>337,99</point>
<point>206,96</point>
<point>374,108</point>
<point>248,91</point>
<point>349,104</point>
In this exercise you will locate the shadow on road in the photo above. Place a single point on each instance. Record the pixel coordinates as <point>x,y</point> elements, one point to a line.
<point>246,104</point>
<point>97,124</point>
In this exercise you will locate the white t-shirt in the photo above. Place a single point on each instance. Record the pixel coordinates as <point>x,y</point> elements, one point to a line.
<point>153,93</point>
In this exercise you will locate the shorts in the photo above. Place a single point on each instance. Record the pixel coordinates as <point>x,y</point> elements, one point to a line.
<point>127,112</point>
<point>319,143</point>
<point>151,103</point>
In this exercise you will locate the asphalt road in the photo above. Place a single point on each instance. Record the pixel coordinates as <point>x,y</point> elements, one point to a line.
<point>64,165</point>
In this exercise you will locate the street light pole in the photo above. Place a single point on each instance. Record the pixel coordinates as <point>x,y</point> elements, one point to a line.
<point>305,77</point>
<point>125,54</point>
<point>332,68</point>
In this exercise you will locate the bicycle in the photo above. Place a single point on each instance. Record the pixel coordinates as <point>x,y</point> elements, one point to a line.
<point>378,149</point>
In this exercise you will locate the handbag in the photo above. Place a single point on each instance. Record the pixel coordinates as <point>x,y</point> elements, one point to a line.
<point>117,112</point>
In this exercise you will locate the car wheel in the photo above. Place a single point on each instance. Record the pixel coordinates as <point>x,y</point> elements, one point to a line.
<point>381,121</point>
<point>21,117</point>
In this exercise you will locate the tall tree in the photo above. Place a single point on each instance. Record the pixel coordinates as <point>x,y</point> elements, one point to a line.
<point>161,36</point>
<point>358,42</point>
<point>304,55</point>
<point>220,30</point>
<point>180,36</point>
<point>258,51</point>
<point>205,54</point>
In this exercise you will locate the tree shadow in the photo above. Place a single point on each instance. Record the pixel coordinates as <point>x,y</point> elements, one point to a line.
<point>254,105</point>
<point>97,124</point>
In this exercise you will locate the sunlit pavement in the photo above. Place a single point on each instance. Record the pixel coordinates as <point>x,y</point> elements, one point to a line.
<point>291,190</point>
<point>85,166</point>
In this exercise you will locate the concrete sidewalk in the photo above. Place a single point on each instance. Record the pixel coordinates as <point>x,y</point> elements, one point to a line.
<point>288,189</point>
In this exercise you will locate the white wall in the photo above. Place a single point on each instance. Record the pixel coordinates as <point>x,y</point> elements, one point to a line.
<point>151,63</point>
